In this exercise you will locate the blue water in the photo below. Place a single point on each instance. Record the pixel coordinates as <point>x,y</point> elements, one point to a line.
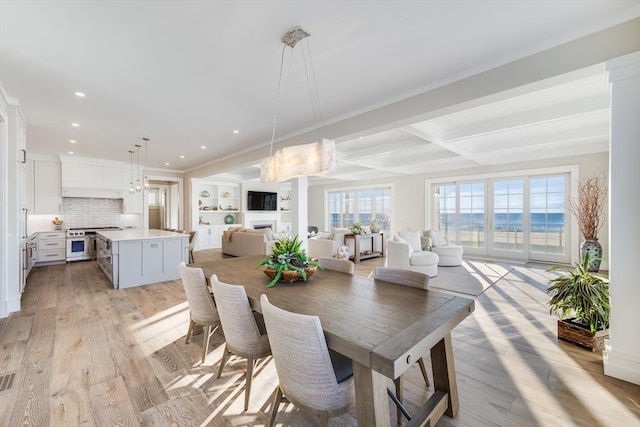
<point>502,221</point>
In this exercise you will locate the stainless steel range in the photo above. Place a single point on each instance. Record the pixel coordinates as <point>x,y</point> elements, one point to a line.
<point>81,242</point>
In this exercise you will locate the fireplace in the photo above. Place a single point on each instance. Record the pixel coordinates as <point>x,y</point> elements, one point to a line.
<point>259,226</point>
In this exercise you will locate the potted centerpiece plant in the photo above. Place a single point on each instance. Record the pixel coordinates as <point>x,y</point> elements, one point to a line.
<point>588,208</point>
<point>581,299</point>
<point>288,262</point>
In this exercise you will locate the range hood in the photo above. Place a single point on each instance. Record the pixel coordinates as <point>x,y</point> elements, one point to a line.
<point>92,193</point>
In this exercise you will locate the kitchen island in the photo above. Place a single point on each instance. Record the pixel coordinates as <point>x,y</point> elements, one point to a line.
<point>138,256</point>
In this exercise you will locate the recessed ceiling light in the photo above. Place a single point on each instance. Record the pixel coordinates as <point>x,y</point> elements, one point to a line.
<point>182,157</point>
<point>167,164</point>
<point>70,152</point>
<point>80,94</point>
<point>75,125</point>
<point>203,147</point>
<point>73,141</point>
<point>236,131</point>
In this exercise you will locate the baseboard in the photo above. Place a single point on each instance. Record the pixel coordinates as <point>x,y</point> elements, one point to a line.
<point>13,305</point>
<point>622,366</point>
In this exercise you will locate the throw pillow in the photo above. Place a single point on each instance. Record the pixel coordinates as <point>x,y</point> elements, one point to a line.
<point>442,241</point>
<point>324,235</point>
<point>412,238</point>
<point>434,238</point>
<point>401,240</point>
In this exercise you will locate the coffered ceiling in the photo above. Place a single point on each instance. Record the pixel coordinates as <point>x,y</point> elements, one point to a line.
<point>187,74</point>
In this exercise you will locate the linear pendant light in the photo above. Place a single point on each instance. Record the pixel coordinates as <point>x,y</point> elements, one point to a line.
<point>316,158</point>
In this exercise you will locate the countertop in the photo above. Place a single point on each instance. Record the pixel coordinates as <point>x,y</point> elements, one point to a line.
<point>140,234</point>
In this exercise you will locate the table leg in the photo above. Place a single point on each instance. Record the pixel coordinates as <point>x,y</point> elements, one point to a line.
<point>444,373</point>
<point>372,404</point>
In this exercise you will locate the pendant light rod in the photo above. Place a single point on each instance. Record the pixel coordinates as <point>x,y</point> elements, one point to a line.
<point>131,189</point>
<point>146,150</point>
<point>138,187</point>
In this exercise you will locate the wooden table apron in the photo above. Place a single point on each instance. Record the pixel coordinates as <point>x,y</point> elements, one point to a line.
<point>382,326</point>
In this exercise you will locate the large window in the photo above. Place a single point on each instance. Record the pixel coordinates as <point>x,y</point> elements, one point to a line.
<point>362,205</point>
<point>518,217</point>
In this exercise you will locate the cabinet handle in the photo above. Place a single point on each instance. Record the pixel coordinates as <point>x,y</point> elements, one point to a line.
<point>24,156</point>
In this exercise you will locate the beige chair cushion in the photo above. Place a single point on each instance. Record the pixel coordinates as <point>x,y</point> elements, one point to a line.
<point>412,238</point>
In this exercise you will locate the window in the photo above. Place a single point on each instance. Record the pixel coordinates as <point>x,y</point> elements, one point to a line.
<point>514,217</point>
<point>362,205</point>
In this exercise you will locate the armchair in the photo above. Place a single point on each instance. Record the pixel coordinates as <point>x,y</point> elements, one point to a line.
<point>326,244</point>
<point>450,255</point>
<point>400,254</point>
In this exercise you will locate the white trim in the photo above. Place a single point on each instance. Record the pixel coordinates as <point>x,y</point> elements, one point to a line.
<point>4,180</point>
<point>180,201</point>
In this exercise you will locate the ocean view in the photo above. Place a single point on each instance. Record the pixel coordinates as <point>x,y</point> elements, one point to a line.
<point>504,221</point>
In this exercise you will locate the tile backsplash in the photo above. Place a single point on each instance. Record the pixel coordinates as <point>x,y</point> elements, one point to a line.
<point>83,212</point>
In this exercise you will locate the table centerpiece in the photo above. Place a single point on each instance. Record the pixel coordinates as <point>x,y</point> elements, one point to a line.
<point>288,262</point>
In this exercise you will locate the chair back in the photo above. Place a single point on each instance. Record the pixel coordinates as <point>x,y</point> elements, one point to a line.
<point>402,277</point>
<point>203,309</point>
<point>337,264</point>
<point>302,360</point>
<point>238,322</point>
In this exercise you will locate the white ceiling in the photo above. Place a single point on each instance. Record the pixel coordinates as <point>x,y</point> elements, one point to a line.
<point>187,73</point>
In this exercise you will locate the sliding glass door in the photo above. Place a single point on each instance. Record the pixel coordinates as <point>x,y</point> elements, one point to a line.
<point>516,217</point>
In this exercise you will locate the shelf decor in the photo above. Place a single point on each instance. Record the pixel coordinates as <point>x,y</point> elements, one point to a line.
<point>229,219</point>
<point>205,193</point>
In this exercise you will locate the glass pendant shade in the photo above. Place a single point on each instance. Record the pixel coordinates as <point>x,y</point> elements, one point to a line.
<point>317,158</point>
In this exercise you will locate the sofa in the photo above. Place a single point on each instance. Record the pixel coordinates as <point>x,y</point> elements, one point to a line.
<point>450,255</point>
<point>239,241</point>
<point>407,254</point>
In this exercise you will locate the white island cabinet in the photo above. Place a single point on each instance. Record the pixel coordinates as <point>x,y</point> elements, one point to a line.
<point>139,257</point>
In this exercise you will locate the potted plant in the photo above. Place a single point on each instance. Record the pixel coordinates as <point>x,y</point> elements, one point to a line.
<point>288,262</point>
<point>585,296</point>
<point>588,209</point>
<point>358,228</point>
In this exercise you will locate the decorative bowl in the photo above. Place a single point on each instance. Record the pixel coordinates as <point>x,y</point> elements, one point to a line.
<point>290,276</point>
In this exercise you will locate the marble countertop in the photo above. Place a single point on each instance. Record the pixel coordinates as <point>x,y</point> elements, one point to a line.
<point>140,234</point>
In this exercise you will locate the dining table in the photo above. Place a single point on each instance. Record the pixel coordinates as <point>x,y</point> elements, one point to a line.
<point>383,327</point>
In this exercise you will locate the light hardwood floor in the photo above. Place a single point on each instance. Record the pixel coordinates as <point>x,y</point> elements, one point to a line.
<point>85,354</point>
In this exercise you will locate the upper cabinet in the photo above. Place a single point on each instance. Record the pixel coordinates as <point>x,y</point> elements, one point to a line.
<point>46,187</point>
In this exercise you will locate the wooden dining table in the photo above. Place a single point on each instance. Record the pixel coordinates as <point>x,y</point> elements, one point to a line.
<point>383,327</point>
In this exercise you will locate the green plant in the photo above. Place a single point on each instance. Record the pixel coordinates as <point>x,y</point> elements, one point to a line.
<point>582,293</point>
<point>357,228</point>
<point>288,254</point>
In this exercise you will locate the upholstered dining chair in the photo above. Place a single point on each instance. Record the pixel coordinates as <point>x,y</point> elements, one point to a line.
<point>202,309</point>
<point>337,264</point>
<point>242,332</point>
<point>311,377</point>
<point>414,279</point>
<point>192,244</point>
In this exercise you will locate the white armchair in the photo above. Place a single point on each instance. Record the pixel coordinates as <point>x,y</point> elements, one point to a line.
<point>401,254</point>
<point>326,245</point>
<point>450,255</point>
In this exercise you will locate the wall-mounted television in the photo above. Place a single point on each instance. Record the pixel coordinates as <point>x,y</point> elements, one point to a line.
<point>262,201</point>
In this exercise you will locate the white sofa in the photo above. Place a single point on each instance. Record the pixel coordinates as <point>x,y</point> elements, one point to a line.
<point>402,254</point>
<point>450,255</point>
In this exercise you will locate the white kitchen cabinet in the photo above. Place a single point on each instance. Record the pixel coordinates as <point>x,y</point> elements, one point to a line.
<point>29,186</point>
<point>92,174</point>
<point>52,246</point>
<point>47,191</point>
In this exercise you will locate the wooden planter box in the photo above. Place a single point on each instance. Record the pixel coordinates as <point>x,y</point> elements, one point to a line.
<point>578,334</point>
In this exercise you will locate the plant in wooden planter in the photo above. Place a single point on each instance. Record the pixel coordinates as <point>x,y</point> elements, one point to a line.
<point>585,296</point>
<point>288,262</point>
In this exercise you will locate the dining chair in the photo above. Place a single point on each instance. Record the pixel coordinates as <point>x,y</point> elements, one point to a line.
<point>414,279</point>
<point>202,308</point>
<point>312,377</point>
<point>337,264</point>
<point>192,244</point>
<point>241,328</point>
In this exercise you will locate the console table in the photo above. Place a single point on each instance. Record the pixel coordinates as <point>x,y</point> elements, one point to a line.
<point>357,238</point>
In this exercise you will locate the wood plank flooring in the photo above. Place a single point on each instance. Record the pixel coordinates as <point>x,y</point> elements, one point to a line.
<point>86,354</point>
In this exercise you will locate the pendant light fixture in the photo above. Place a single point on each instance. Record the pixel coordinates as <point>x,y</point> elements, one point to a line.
<point>138,187</point>
<point>317,158</point>
<point>146,149</point>
<point>131,189</point>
